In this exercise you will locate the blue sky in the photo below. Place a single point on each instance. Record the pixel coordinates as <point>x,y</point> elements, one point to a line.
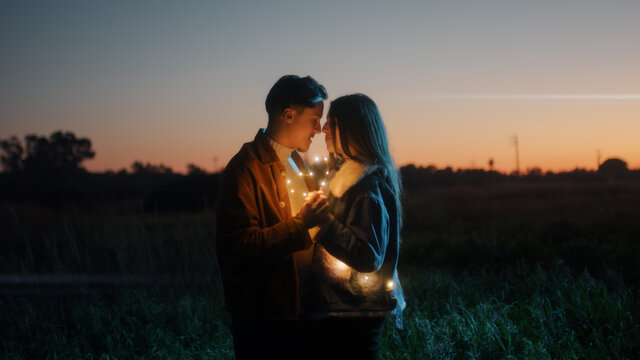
<point>175,82</point>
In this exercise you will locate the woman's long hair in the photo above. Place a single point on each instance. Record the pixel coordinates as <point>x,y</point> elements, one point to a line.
<point>363,137</point>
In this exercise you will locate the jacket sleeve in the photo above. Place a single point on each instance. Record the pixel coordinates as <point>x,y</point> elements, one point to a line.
<point>239,234</point>
<point>361,241</point>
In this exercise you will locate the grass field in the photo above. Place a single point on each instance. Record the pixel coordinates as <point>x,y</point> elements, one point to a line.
<point>509,272</point>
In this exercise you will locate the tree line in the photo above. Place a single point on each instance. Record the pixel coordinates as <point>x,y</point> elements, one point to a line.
<point>50,169</point>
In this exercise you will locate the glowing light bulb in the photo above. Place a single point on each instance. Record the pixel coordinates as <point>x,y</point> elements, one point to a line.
<point>304,194</point>
<point>291,190</point>
<point>325,159</point>
<point>288,181</point>
<point>366,277</point>
<point>317,158</point>
<point>310,173</point>
<point>299,174</point>
<point>390,285</point>
<point>322,183</point>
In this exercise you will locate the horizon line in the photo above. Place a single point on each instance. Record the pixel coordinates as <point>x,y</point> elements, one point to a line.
<point>530,97</point>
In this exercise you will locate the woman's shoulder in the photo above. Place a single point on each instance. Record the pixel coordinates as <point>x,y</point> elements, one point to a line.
<point>371,185</point>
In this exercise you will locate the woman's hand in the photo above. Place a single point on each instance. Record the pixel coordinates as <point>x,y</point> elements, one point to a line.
<point>315,210</point>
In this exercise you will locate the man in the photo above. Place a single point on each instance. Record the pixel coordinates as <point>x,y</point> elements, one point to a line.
<point>262,221</point>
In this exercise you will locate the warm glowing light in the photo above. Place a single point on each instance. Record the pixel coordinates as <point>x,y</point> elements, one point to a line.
<point>291,190</point>
<point>339,265</point>
<point>390,285</point>
<point>288,181</point>
<point>366,277</point>
<point>322,180</point>
<point>336,269</point>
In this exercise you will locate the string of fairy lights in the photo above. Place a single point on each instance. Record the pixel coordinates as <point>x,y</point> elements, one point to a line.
<point>322,183</point>
<point>341,268</point>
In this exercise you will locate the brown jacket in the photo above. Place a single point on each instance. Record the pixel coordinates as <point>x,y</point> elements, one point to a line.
<point>257,236</point>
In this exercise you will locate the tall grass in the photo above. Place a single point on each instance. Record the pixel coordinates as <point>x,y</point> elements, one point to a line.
<point>133,325</point>
<point>542,272</point>
<point>593,226</point>
<point>520,313</point>
<point>39,240</point>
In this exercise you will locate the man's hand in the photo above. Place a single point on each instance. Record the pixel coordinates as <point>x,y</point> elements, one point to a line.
<point>315,210</point>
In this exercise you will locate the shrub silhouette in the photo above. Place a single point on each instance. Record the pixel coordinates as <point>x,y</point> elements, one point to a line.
<point>614,168</point>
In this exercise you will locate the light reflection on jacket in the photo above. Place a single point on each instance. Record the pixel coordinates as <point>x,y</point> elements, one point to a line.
<point>354,265</point>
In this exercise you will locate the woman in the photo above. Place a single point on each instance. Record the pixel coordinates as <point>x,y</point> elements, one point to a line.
<point>353,283</point>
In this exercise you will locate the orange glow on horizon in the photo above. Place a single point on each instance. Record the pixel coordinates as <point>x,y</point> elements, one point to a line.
<point>504,164</point>
<point>553,136</point>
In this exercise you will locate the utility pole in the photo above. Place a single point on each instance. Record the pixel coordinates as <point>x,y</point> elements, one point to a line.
<point>515,143</point>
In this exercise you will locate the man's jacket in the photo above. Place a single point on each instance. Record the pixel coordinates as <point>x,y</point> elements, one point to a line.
<point>256,236</point>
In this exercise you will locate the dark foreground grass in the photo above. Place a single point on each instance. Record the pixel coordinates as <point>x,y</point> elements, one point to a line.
<point>132,325</point>
<point>520,313</point>
<point>512,272</point>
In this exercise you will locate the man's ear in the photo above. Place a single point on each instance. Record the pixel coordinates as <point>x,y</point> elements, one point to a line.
<point>288,113</point>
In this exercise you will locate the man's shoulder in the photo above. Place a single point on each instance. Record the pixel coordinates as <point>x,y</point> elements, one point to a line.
<point>244,160</point>
<point>246,153</point>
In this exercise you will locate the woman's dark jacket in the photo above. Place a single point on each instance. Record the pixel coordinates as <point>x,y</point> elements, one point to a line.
<point>353,270</point>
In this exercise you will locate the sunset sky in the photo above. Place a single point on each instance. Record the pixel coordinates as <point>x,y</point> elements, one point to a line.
<point>179,82</point>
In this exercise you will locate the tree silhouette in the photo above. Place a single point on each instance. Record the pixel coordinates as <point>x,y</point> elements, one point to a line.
<point>147,169</point>
<point>61,152</point>
<point>11,156</point>
<point>195,170</point>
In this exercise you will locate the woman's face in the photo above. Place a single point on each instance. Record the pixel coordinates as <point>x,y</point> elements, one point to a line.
<point>328,138</point>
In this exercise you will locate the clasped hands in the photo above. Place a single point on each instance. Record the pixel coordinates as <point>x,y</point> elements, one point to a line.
<point>315,211</point>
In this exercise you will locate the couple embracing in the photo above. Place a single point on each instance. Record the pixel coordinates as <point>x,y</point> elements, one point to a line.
<point>310,273</point>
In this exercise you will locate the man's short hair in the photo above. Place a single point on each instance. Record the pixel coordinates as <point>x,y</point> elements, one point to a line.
<point>292,90</point>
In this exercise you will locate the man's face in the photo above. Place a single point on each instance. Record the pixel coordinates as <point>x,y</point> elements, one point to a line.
<point>304,125</point>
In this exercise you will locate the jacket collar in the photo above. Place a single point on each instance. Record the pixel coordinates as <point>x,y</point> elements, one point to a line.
<point>350,173</point>
<point>266,154</point>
